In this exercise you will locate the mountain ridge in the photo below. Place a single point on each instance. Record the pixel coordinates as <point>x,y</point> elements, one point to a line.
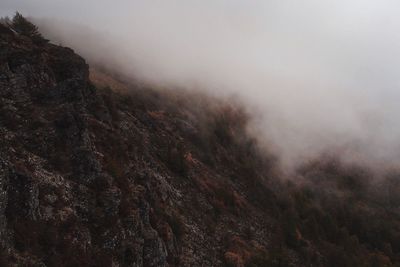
<point>143,177</point>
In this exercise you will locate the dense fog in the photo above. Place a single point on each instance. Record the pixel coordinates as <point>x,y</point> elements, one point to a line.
<point>315,75</point>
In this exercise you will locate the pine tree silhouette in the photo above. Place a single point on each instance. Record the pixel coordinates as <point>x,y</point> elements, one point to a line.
<point>24,27</point>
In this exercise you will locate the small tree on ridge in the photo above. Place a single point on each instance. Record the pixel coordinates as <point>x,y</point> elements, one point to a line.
<point>24,27</point>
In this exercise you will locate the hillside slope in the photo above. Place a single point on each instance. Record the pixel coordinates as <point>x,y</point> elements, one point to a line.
<point>91,178</point>
<point>145,177</point>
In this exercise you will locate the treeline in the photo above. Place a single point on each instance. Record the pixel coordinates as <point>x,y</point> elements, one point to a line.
<point>345,213</point>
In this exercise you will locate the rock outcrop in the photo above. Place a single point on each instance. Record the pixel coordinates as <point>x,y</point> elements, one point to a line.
<point>93,178</point>
<point>105,172</point>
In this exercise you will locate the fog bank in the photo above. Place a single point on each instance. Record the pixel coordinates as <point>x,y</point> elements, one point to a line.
<point>316,75</point>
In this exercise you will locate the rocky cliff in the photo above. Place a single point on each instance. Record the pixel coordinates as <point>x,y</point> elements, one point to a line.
<point>146,177</point>
<point>92,178</point>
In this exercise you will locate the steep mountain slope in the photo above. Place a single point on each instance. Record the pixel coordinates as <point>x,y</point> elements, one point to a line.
<point>94,178</point>
<point>146,177</point>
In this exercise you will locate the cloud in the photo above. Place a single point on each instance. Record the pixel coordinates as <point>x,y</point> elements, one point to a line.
<point>318,75</point>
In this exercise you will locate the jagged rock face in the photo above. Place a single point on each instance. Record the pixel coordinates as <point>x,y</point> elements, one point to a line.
<point>90,178</point>
<point>145,177</point>
<point>57,204</point>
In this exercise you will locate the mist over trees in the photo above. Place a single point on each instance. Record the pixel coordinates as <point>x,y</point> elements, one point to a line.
<point>330,213</point>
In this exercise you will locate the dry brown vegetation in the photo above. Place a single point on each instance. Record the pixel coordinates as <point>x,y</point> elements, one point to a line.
<point>156,177</point>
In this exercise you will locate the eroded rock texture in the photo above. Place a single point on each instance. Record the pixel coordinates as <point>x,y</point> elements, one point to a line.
<point>107,172</point>
<point>93,178</point>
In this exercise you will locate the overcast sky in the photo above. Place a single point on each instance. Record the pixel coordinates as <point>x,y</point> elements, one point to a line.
<point>317,73</point>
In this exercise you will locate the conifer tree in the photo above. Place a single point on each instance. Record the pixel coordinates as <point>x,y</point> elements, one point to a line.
<point>24,27</point>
